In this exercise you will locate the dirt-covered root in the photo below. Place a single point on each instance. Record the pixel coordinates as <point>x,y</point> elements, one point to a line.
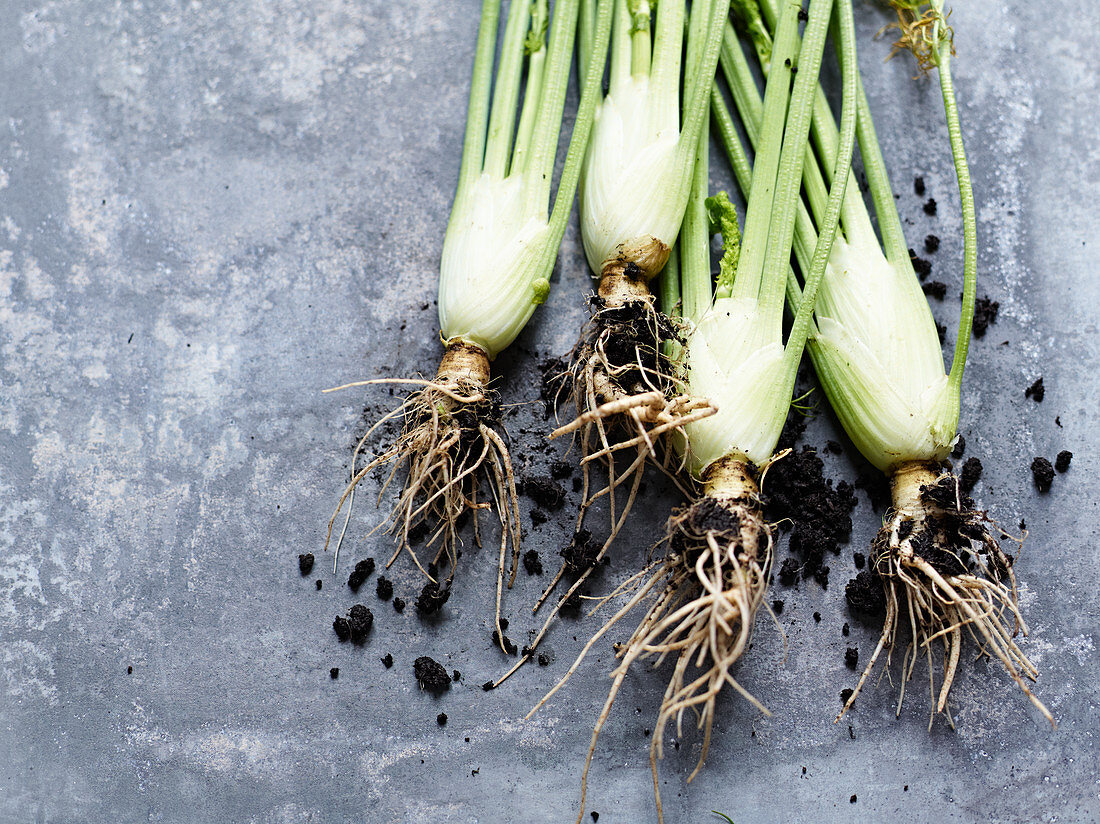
<point>942,571</point>
<point>709,588</point>
<point>449,444</point>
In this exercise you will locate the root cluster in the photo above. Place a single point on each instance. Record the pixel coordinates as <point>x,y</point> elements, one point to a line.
<point>709,588</point>
<point>449,445</point>
<point>943,573</point>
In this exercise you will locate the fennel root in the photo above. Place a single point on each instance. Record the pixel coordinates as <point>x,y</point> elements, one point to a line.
<point>937,582</point>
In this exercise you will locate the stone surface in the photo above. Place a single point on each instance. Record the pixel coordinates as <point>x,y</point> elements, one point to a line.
<point>209,212</point>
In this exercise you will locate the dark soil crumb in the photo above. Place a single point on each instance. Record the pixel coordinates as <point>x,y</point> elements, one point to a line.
<point>432,598</point>
<point>821,513</point>
<point>441,719</point>
<point>418,532</point>
<point>595,816</point>
<point>970,475</point>
<point>860,559</point>
<point>777,606</point>
<point>430,675</point>
<point>318,582</point>
<point>362,571</point>
<point>1036,391</point>
<point>544,660</point>
<point>845,630</point>
<point>985,315</point>
<point>581,552</point>
<point>509,645</point>
<point>1061,463</point>
<point>918,185</point>
<point>360,621</point>
<point>852,800</point>
<point>941,330</point>
<point>578,484</point>
<point>851,657</point>
<point>1043,473</point>
<point>845,694</point>
<point>905,789</point>
<point>865,595</point>
<point>788,572</point>
<point>456,676</point>
<point>538,517</point>
<point>935,289</point>
<point>1023,525</point>
<point>399,604</point>
<point>544,491</point>
<point>922,267</point>
<point>341,628</point>
<point>834,447</point>
<point>488,685</point>
<point>384,588</point>
<point>387,661</point>
<point>817,617</point>
<point>1058,421</point>
<point>305,563</point>
<point>334,673</point>
<point>960,447</point>
<point>930,206</point>
<point>130,670</point>
<point>560,469</point>
<point>931,244</point>
<point>532,562</point>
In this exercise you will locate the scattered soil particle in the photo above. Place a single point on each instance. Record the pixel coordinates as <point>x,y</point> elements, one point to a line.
<point>341,628</point>
<point>538,517</point>
<point>130,670</point>
<point>305,563</point>
<point>544,660</point>
<point>922,267</point>
<point>935,289</point>
<point>1061,463</point>
<point>360,621</point>
<point>1036,391</point>
<point>488,685</point>
<point>918,185</point>
<point>456,676</point>
<point>441,719</point>
<point>560,469</point>
<point>1058,421</point>
<point>845,694</point>
<point>930,206</point>
<point>577,484</point>
<point>362,571</point>
<point>821,514</point>
<point>859,559</point>
<point>431,675</point>
<point>852,800</point>
<point>777,606</point>
<point>788,572</point>
<point>418,532</point>
<point>874,483</point>
<point>970,475</point>
<point>941,330</point>
<point>384,589</point>
<point>399,604</point>
<point>387,661</point>
<point>834,447</point>
<point>865,595</point>
<point>817,617</point>
<point>1043,473</point>
<point>544,491</point>
<point>851,657</point>
<point>985,315</point>
<point>595,816</point>
<point>581,552</point>
<point>845,630</point>
<point>932,244</point>
<point>960,447</point>
<point>509,645</point>
<point>532,562</point>
<point>318,583</point>
<point>334,673</point>
<point>432,598</point>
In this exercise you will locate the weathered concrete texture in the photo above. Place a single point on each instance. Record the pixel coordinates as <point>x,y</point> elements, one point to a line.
<point>211,211</point>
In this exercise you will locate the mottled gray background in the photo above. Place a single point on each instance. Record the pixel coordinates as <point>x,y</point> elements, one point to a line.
<point>209,211</point>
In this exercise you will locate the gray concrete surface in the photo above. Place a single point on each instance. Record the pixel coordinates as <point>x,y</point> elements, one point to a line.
<point>209,211</point>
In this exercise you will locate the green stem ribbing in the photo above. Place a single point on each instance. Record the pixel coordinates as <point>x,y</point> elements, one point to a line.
<point>477,113</point>
<point>509,75</point>
<point>695,278</point>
